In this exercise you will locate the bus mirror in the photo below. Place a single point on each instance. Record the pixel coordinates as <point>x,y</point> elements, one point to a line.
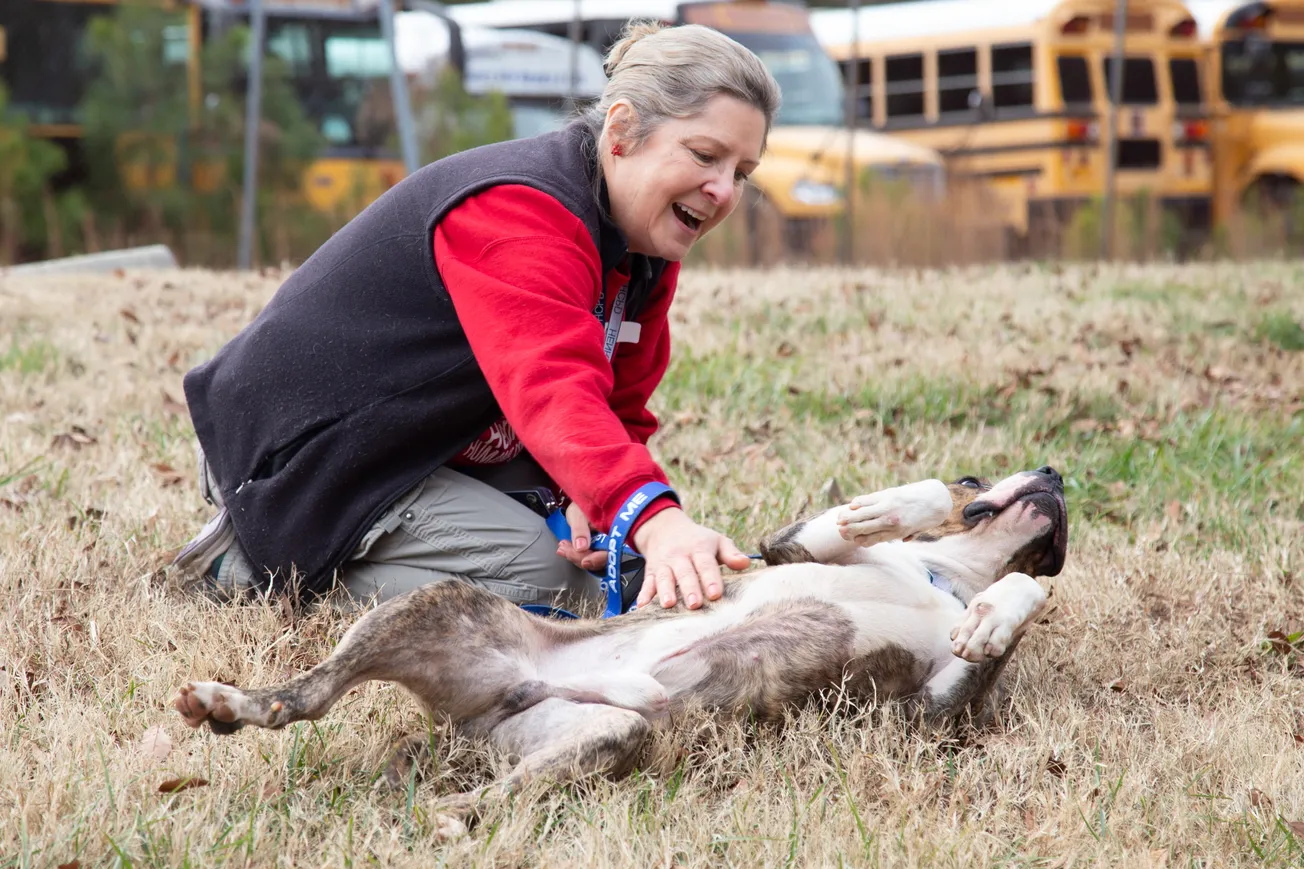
<point>981,104</point>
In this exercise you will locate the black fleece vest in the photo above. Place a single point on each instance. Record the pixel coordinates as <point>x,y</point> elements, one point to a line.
<point>357,381</point>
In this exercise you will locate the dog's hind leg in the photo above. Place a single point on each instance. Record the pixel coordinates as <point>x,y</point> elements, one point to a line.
<point>227,708</point>
<point>558,741</point>
<point>458,648</point>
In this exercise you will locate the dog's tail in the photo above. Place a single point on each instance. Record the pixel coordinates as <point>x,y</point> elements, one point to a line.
<point>625,689</point>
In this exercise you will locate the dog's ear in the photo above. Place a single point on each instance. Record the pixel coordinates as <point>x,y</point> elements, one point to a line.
<point>963,493</point>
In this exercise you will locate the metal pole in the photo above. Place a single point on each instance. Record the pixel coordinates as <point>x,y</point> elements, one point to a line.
<point>407,131</point>
<point>1111,130</point>
<point>253,115</point>
<point>576,33</point>
<point>852,78</point>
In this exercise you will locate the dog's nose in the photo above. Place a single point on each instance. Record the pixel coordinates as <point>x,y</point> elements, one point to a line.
<point>1048,471</point>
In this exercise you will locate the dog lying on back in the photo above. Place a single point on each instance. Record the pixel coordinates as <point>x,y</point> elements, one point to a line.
<point>920,592</point>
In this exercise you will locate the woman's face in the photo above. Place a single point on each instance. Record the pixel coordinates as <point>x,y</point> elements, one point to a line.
<point>685,178</point>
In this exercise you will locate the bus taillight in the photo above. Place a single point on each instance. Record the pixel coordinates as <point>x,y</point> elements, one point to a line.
<point>1081,131</point>
<point>1184,29</point>
<point>1076,26</point>
<point>1190,132</point>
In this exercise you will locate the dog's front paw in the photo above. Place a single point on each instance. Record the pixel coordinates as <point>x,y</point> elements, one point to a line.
<point>995,617</point>
<point>896,513</point>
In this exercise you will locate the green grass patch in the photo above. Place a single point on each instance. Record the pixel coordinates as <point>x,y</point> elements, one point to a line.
<point>1281,330</point>
<point>28,355</point>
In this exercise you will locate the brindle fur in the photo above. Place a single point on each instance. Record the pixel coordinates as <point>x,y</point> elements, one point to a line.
<point>477,660</point>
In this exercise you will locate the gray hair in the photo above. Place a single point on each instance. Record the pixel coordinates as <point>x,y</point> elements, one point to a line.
<point>673,72</point>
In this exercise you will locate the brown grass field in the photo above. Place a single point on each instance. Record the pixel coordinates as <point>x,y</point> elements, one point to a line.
<point>1155,718</point>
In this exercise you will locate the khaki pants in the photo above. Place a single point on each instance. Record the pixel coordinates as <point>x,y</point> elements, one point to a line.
<point>449,526</point>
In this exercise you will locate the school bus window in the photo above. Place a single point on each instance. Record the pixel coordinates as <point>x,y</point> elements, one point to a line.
<point>1257,72</point>
<point>176,44</point>
<point>904,80</point>
<point>957,79</point>
<point>291,43</point>
<point>1075,80</point>
<point>1012,77</point>
<point>864,89</point>
<point>1186,80</point>
<point>1139,87</point>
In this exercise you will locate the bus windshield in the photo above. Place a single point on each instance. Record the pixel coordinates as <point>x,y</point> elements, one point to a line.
<point>807,77</point>
<point>340,73</point>
<point>1259,72</point>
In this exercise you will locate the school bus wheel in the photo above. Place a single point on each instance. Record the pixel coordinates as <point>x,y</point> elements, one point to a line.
<point>1276,199</point>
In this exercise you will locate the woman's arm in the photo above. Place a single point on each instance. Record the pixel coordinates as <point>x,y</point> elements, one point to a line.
<point>523,275</point>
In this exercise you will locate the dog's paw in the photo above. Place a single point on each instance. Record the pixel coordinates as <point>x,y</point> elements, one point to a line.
<point>895,513</point>
<point>449,816</point>
<point>447,828</point>
<point>983,634</point>
<point>224,708</point>
<point>995,617</point>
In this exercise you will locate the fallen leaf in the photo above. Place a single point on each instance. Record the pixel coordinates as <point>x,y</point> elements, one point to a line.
<point>1259,799</point>
<point>76,438</point>
<point>129,314</point>
<point>71,864</point>
<point>1280,642</point>
<point>155,743</point>
<point>168,475</point>
<point>1055,766</point>
<point>174,407</point>
<point>175,785</point>
<point>1118,686</point>
<point>1296,827</point>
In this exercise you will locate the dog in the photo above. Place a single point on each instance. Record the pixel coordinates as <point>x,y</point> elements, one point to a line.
<point>919,592</point>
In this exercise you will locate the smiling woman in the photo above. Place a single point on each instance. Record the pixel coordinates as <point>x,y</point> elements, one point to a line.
<point>481,344</point>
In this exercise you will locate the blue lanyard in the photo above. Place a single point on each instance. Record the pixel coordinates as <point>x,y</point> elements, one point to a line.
<point>613,542</point>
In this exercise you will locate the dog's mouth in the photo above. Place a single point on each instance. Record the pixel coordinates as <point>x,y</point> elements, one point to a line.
<point>1043,492</point>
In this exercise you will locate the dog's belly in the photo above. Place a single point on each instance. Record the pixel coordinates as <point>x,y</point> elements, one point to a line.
<point>780,637</point>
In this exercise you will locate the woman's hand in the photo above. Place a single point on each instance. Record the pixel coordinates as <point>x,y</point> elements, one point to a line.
<point>680,553</point>
<point>577,550</point>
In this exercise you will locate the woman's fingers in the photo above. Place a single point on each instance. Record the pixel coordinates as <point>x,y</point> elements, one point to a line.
<point>708,575</point>
<point>581,532</point>
<point>690,584</point>
<point>731,556</point>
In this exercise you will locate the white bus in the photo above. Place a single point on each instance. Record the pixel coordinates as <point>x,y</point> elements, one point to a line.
<point>542,76</point>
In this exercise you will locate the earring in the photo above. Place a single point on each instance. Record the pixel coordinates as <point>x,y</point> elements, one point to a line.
<point>616,150</point>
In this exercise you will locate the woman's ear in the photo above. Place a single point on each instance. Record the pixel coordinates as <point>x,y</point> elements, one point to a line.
<point>620,122</point>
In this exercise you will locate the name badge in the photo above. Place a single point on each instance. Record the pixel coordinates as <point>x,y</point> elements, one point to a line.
<point>629,333</point>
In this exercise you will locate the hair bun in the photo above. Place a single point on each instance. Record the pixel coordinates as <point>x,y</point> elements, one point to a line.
<point>633,32</point>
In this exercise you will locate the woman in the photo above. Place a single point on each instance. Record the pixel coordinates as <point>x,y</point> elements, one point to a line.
<point>494,323</point>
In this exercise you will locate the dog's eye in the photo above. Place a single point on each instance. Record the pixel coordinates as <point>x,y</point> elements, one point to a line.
<point>970,482</point>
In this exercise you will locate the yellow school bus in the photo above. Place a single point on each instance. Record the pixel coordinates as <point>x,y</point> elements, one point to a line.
<point>803,175</point>
<point>1016,94</point>
<point>337,58</point>
<point>1256,84</point>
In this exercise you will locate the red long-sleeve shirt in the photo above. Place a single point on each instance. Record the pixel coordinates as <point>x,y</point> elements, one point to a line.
<point>525,277</point>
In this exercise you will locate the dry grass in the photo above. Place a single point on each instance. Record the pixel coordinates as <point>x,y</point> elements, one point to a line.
<point>1153,719</point>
